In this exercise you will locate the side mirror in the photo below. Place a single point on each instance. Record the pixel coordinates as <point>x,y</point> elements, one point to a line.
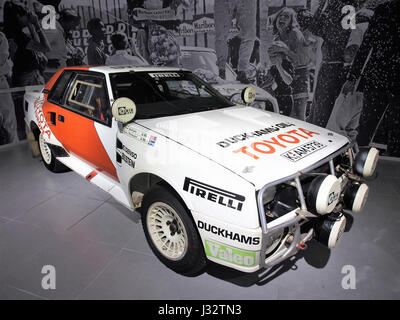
<point>123,110</point>
<point>248,95</point>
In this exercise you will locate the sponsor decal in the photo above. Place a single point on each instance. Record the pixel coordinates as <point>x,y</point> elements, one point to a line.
<point>129,152</point>
<point>125,110</point>
<point>263,147</point>
<point>213,194</point>
<point>258,133</point>
<point>231,255</point>
<point>152,140</point>
<point>127,160</point>
<point>165,75</point>
<point>140,136</point>
<point>303,151</point>
<point>228,234</point>
<point>41,120</point>
<point>125,154</point>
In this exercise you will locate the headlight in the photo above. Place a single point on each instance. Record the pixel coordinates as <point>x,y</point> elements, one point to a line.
<point>366,161</point>
<point>323,194</point>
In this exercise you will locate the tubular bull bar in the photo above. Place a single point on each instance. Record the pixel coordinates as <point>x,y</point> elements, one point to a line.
<point>281,255</point>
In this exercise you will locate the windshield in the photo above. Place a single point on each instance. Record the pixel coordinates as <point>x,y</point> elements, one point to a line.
<point>162,94</point>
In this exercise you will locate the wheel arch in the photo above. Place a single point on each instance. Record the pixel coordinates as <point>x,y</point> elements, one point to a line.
<point>35,130</point>
<point>142,182</point>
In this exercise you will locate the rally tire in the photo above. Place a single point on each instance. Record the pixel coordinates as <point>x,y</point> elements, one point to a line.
<point>48,158</point>
<point>190,258</point>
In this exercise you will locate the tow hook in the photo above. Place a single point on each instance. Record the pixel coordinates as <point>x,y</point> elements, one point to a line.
<point>301,245</point>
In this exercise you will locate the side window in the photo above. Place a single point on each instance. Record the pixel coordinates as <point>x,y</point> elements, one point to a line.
<point>57,92</point>
<point>88,96</point>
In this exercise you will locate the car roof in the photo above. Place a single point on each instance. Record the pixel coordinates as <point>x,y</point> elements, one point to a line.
<point>124,68</point>
<point>111,69</point>
<point>131,68</point>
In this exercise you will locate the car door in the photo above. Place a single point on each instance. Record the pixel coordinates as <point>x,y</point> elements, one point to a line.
<point>83,121</point>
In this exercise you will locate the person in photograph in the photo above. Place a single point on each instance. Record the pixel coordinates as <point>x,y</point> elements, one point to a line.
<point>246,22</point>
<point>121,56</point>
<point>309,51</point>
<point>345,115</point>
<point>379,56</point>
<point>280,77</point>
<point>7,112</point>
<point>287,30</point>
<point>233,52</point>
<point>23,29</point>
<point>58,55</point>
<point>327,24</point>
<point>96,54</point>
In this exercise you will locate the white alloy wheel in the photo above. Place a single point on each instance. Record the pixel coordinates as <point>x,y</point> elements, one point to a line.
<point>45,150</point>
<point>167,231</point>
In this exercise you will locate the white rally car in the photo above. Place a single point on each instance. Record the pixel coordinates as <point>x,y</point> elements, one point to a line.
<point>243,187</point>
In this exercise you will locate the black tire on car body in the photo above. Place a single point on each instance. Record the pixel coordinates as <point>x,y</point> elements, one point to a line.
<point>48,158</point>
<point>193,258</point>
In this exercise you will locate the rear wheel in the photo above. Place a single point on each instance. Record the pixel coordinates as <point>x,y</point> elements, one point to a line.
<point>171,233</point>
<point>49,160</point>
<point>33,144</point>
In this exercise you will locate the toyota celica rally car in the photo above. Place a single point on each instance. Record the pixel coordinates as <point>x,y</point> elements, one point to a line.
<point>236,185</point>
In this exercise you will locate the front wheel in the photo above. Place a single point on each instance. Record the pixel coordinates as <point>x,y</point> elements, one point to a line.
<point>171,233</point>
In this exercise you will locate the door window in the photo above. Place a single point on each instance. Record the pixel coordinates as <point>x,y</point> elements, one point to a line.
<point>88,96</point>
<point>57,92</point>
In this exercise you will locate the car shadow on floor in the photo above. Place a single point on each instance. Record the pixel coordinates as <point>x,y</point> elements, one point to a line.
<point>134,216</point>
<point>316,255</point>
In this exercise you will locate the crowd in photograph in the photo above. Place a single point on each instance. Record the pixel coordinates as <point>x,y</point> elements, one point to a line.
<point>355,70</point>
<point>318,70</point>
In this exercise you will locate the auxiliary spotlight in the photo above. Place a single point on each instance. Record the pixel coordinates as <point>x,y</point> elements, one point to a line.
<point>356,196</point>
<point>323,194</point>
<point>329,230</point>
<point>366,161</point>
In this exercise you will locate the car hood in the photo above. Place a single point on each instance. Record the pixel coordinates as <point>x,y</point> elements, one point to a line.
<point>257,145</point>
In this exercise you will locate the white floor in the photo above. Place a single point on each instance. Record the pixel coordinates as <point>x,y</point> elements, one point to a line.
<point>99,250</point>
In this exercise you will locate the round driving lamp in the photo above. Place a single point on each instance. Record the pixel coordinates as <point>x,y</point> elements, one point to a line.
<point>329,230</point>
<point>356,196</point>
<point>365,161</point>
<point>323,194</point>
